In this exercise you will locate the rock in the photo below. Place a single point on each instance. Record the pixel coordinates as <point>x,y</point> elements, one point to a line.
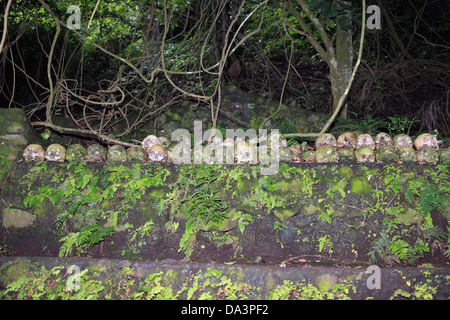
<point>16,133</point>
<point>17,218</point>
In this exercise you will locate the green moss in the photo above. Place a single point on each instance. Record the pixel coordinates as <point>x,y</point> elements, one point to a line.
<point>360,186</point>
<point>346,172</point>
<point>246,185</point>
<point>326,282</point>
<point>284,214</point>
<point>409,217</point>
<point>312,209</point>
<point>17,218</point>
<point>13,271</point>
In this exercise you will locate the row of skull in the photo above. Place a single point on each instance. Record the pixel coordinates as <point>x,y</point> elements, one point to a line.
<point>347,147</point>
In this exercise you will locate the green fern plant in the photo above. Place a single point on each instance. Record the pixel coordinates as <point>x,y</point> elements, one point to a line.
<point>87,236</point>
<point>202,206</point>
<point>430,197</point>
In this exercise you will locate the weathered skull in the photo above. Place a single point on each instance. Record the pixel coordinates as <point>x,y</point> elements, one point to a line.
<point>34,152</point>
<point>294,144</point>
<point>298,154</point>
<point>228,150</point>
<point>327,139</point>
<point>427,155</point>
<point>444,155</point>
<point>402,140</point>
<point>265,154</point>
<point>347,140</point>
<point>365,140</point>
<point>326,154</point>
<point>282,142</point>
<point>383,139</point>
<point>165,141</point>
<point>406,155</point>
<point>149,142</point>
<point>245,153</point>
<point>76,152</point>
<point>386,154</point>
<point>157,153</point>
<point>286,154</point>
<point>96,153</point>
<point>213,153</point>
<point>365,154</point>
<point>55,152</point>
<point>136,153</point>
<point>309,156</point>
<point>346,155</point>
<point>426,140</point>
<point>117,153</point>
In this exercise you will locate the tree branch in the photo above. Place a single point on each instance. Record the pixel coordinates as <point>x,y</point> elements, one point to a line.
<point>347,89</point>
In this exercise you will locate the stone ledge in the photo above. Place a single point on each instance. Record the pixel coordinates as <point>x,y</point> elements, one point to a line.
<point>170,279</point>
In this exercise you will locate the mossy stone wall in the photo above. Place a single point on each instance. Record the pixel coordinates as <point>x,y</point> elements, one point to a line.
<point>222,213</point>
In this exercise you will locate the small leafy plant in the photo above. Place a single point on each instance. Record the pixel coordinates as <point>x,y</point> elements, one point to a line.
<point>202,207</point>
<point>88,236</point>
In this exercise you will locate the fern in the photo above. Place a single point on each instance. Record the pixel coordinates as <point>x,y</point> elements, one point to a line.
<point>68,242</point>
<point>430,197</point>
<point>88,236</point>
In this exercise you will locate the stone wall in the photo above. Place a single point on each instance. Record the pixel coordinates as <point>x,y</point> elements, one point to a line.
<point>154,211</point>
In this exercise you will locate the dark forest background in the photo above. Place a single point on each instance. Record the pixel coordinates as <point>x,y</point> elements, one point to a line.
<point>131,61</point>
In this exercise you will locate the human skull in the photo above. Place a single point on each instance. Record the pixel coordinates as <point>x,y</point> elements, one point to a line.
<point>426,140</point>
<point>365,154</point>
<point>383,139</point>
<point>326,139</point>
<point>96,153</point>
<point>286,154</point>
<point>347,140</point>
<point>149,142</point>
<point>365,140</point>
<point>265,154</point>
<point>55,152</point>
<point>309,156</point>
<point>298,154</point>
<point>282,142</point>
<point>444,155</point>
<point>406,155</point>
<point>326,154</point>
<point>245,152</point>
<point>34,152</point>
<point>346,155</point>
<point>165,141</point>
<point>157,153</point>
<point>136,153</point>
<point>294,144</point>
<point>427,155</point>
<point>76,152</point>
<point>228,150</point>
<point>402,140</point>
<point>212,153</point>
<point>117,153</point>
<point>386,154</point>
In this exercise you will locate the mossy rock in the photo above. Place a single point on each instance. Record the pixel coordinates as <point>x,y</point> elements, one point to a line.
<point>360,186</point>
<point>346,172</point>
<point>17,218</point>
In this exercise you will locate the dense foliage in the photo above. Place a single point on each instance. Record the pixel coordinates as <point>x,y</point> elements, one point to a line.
<point>132,60</point>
